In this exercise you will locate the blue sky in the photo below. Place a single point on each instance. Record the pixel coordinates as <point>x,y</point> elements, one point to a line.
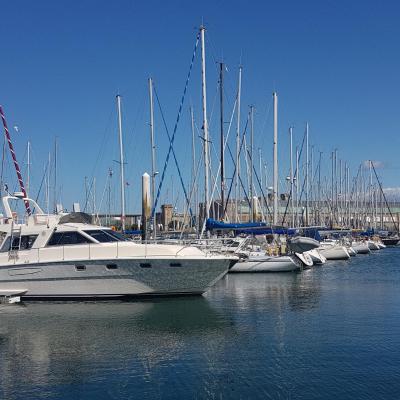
<point>333,63</point>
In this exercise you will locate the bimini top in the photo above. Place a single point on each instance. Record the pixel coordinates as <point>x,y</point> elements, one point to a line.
<point>76,217</point>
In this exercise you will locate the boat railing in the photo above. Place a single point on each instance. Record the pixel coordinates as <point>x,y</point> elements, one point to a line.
<point>90,251</point>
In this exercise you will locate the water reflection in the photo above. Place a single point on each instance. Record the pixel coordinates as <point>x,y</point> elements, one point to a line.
<point>329,332</point>
<point>273,291</point>
<point>48,344</point>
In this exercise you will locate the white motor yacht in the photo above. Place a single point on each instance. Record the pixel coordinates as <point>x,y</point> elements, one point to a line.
<point>65,256</point>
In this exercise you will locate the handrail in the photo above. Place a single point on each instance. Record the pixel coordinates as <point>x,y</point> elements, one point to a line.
<point>91,251</point>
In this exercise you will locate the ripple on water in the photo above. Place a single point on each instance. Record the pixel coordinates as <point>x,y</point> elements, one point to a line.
<point>330,332</point>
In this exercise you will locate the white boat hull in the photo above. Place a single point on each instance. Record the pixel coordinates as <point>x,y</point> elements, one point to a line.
<point>361,248</point>
<point>305,259</point>
<point>372,245</point>
<point>351,251</point>
<point>316,256</point>
<point>335,253</point>
<point>267,264</point>
<point>126,278</point>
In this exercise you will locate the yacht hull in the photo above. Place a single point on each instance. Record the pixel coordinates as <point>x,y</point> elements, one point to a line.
<point>114,278</point>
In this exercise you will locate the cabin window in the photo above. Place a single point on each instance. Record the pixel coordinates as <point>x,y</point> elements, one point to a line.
<point>175,265</point>
<point>80,267</point>
<point>145,265</point>
<point>111,266</point>
<point>25,242</point>
<point>117,235</point>
<point>104,236</point>
<point>67,238</point>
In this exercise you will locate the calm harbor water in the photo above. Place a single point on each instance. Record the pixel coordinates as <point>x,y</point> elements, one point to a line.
<point>332,332</point>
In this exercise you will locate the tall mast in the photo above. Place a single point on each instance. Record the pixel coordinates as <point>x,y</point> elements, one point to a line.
<point>121,162</point>
<point>297,184</point>
<point>238,143</point>
<point>266,186</point>
<point>48,185</point>
<point>221,100</point>
<point>291,174</point>
<point>28,177</point>
<point>333,188</point>
<point>110,173</point>
<point>307,173</point>
<point>251,160</point>
<point>275,185</point>
<point>340,193</point>
<point>336,186</point>
<point>94,197</point>
<point>370,193</point>
<point>55,176</point>
<point>14,157</point>
<point>205,123</point>
<point>193,160</point>
<point>153,154</point>
<point>86,194</point>
<point>319,189</point>
<point>312,187</point>
<point>261,181</point>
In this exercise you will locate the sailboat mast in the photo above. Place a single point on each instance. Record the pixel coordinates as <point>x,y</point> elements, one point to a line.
<point>320,203</point>
<point>266,186</point>
<point>291,174</point>
<point>55,175</point>
<point>205,124</point>
<point>261,181</point>
<point>275,184</point>
<point>307,174</point>
<point>194,191</point>
<point>238,144</point>
<point>221,100</point>
<point>28,177</point>
<point>121,162</point>
<point>251,191</point>
<point>48,185</point>
<point>153,154</point>
<point>110,173</point>
<point>297,184</point>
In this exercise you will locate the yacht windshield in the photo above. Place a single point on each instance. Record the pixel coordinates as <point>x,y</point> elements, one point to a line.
<point>67,238</point>
<point>104,236</point>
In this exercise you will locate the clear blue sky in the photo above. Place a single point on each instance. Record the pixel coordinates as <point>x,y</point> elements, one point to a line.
<point>333,63</point>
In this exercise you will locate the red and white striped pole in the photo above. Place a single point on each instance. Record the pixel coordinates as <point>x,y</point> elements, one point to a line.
<point>10,145</point>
